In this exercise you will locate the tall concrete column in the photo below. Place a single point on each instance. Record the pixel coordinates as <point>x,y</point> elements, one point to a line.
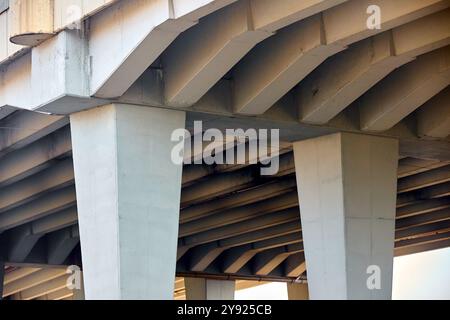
<point>297,291</point>
<point>347,193</point>
<point>128,196</point>
<point>208,289</point>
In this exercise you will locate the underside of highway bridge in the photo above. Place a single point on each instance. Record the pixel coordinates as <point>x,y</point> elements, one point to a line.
<point>89,104</point>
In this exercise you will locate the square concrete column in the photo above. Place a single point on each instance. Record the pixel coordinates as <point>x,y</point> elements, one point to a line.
<point>128,197</point>
<point>297,291</point>
<point>347,187</point>
<point>209,289</point>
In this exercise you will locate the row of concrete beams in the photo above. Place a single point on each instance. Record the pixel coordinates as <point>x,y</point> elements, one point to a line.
<point>405,16</point>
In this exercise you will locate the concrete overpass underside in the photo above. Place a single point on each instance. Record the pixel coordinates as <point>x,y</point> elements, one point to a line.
<point>308,68</point>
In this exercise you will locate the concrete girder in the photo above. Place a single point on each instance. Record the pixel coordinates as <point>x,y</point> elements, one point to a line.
<point>436,191</point>
<point>235,258</point>
<point>23,128</point>
<point>22,240</point>
<point>435,245</point>
<point>424,179</point>
<point>61,243</point>
<point>278,64</point>
<point>42,289</point>
<point>39,208</point>
<point>235,215</point>
<point>265,191</point>
<point>18,274</point>
<point>20,243</point>
<point>422,230</point>
<point>218,185</point>
<point>35,157</point>
<point>266,261</point>
<point>202,256</point>
<point>295,265</point>
<point>324,94</point>
<point>53,178</point>
<point>404,90</point>
<point>32,280</point>
<point>423,206</point>
<point>263,222</point>
<point>6,111</point>
<point>411,166</point>
<point>62,294</point>
<point>430,217</point>
<point>433,118</point>
<point>207,51</point>
<point>135,40</point>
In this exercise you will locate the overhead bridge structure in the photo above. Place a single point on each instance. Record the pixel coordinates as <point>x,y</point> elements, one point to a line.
<point>89,103</point>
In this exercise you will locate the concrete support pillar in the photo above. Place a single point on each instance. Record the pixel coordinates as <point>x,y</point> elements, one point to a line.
<point>298,291</point>
<point>128,197</point>
<point>208,289</point>
<point>347,193</point>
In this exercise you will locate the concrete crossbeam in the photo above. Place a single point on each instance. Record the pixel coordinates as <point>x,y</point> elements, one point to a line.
<point>405,90</point>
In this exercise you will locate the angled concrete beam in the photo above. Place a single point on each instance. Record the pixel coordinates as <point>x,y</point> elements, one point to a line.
<point>411,166</point>
<point>323,94</point>
<point>218,185</point>
<point>25,127</point>
<point>53,178</point>
<point>278,64</point>
<point>405,90</point>
<point>237,257</point>
<point>422,207</point>
<point>61,243</point>
<point>424,179</point>
<point>34,157</point>
<point>144,31</point>
<point>55,222</point>
<point>436,191</point>
<point>62,294</point>
<point>207,51</point>
<point>42,289</point>
<point>202,256</point>
<point>20,243</point>
<point>32,280</point>
<point>264,262</point>
<point>18,274</point>
<point>295,265</point>
<point>435,245</point>
<point>433,118</point>
<point>340,80</point>
<point>430,217</point>
<point>422,230</point>
<point>43,206</point>
<point>260,223</point>
<point>6,111</point>
<point>239,214</point>
<point>265,191</point>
